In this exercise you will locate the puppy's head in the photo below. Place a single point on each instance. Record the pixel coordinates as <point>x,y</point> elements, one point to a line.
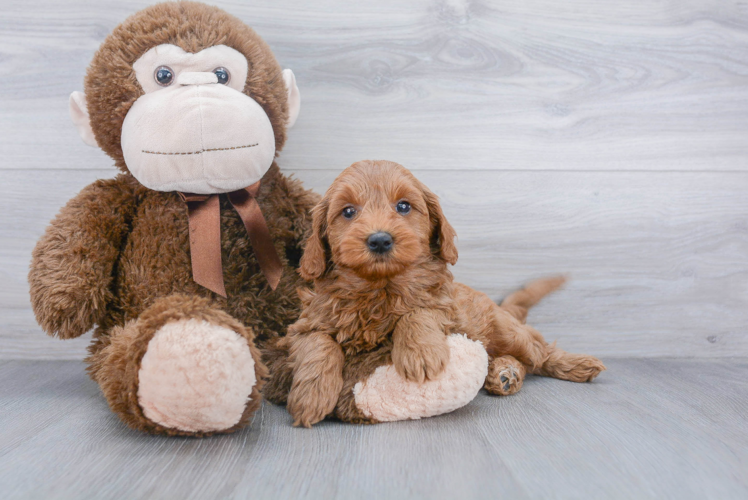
<point>377,220</point>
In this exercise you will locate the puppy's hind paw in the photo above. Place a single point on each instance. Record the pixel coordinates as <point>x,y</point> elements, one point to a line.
<point>572,367</point>
<point>586,369</point>
<point>505,376</point>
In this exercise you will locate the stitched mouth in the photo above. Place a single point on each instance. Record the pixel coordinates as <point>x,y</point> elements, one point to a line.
<point>199,152</point>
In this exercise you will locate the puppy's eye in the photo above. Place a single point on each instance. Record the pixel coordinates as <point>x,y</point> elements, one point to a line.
<point>163,76</point>
<point>403,207</point>
<point>223,75</point>
<point>349,212</point>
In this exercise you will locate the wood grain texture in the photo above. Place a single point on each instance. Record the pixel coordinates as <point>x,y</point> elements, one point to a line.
<point>644,429</point>
<point>604,140</point>
<point>657,260</point>
<point>539,84</point>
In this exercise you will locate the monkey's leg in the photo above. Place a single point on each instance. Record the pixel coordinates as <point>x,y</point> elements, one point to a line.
<point>184,367</point>
<point>374,391</point>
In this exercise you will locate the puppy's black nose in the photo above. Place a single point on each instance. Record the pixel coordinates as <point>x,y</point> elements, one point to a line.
<point>380,242</point>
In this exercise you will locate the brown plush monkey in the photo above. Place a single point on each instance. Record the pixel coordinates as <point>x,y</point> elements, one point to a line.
<point>193,108</point>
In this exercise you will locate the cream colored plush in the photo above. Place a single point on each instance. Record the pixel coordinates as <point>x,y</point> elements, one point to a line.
<point>386,396</point>
<point>172,141</point>
<point>195,376</point>
<point>169,138</point>
<point>179,61</point>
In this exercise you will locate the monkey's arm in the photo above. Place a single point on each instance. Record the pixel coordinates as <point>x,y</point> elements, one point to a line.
<point>71,266</point>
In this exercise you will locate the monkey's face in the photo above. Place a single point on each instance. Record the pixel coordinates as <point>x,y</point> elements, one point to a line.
<point>194,130</point>
<point>187,98</point>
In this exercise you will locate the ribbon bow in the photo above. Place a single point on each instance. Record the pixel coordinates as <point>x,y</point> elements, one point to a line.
<point>204,211</point>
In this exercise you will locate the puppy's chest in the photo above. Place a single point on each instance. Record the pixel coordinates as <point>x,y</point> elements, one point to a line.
<point>363,327</point>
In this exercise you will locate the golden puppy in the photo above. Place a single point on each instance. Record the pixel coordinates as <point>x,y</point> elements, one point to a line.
<point>382,294</point>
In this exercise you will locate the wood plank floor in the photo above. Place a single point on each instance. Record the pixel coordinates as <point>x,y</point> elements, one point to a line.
<point>647,428</point>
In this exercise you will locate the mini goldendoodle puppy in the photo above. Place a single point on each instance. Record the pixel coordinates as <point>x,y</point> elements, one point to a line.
<point>378,256</point>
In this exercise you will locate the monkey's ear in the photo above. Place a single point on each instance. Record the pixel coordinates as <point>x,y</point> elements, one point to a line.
<point>443,234</point>
<point>79,115</point>
<point>294,97</point>
<point>314,261</point>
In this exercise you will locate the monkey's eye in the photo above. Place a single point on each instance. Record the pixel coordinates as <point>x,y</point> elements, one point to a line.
<point>349,212</point>
<point>403,207</point>
<point>163,76</point>
<point>223,75</point>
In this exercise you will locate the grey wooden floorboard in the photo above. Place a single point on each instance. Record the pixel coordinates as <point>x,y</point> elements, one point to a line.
<point>647,428</point>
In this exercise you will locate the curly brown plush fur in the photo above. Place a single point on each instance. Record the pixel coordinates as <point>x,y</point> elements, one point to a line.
<point>398,306</point>
<point>117,255</point>
<point>111,87</point>
<point>115,365</point>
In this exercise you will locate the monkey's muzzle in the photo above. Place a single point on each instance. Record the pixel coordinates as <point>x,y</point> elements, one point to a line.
<point>197,137</point>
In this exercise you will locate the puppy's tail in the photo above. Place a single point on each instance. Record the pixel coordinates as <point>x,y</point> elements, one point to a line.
<point>518,303</point>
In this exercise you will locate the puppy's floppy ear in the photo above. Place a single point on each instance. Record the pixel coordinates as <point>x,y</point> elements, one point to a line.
<point>314,261</point>
<point>442,233</point>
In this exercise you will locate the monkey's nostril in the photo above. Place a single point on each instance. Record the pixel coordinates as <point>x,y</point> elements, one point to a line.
<point>380,242</point>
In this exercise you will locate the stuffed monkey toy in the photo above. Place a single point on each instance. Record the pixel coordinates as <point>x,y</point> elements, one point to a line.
<point>185,263</point>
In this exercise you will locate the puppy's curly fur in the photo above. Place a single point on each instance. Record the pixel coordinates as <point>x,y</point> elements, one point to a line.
<point>401,303</point>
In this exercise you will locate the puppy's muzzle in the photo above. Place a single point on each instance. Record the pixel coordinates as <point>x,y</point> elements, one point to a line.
<point>380,242</point>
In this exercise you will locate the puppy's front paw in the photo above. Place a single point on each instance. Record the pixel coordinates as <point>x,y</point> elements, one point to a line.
<point>420,361</point>
<point>311,400</point>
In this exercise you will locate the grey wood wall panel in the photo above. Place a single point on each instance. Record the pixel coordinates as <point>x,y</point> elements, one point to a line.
<point>539,84</point>
<point>608,141</point>
<point>656,259</point>
<point>644,429</point>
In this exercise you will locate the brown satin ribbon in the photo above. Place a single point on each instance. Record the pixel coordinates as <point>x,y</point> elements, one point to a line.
<point>204,211</point>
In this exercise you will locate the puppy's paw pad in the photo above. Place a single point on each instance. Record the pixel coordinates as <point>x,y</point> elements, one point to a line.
<point>505,377</point>
<point>509,382</point>
<point>506,382</point>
